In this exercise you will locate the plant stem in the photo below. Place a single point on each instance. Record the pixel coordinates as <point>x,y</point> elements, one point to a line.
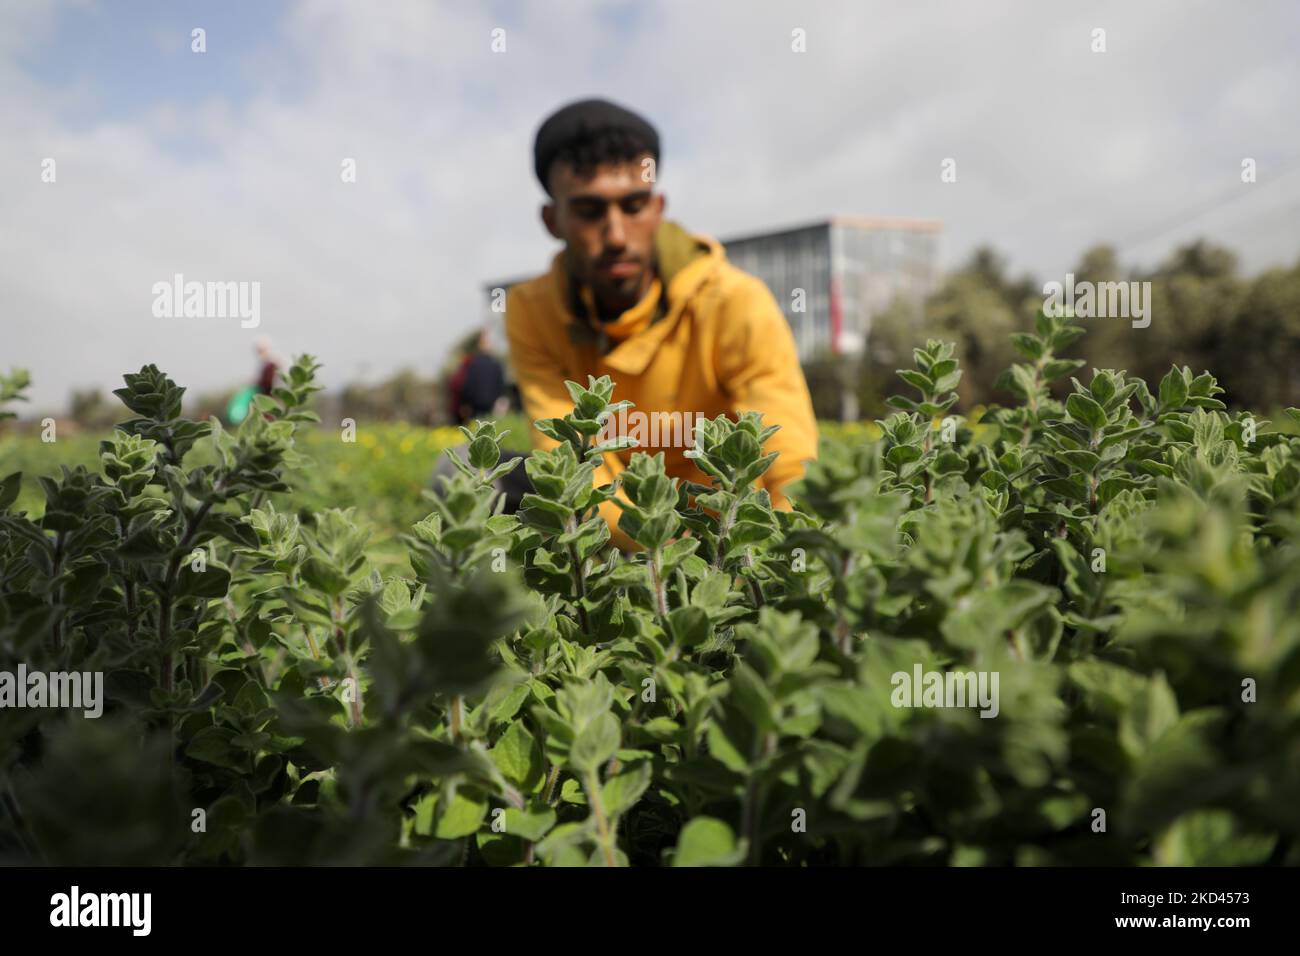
<point>356,692</point>
<point>312,646</point>
<point>755,590</point>
<point>169,582</point>
<point>655,564</point>
<point>128,591</point>
<point>164,638</point>
<point>551,780</point>
<point>926,446</point>
<point>843,634</point>
<point>751,804</point>
<point>456,718</point>
<point>344,649</point>
<point>602,822</point>
<point>724,529</point>
<point>128,588</point>
<point>57,630</point>
<point>579,580</point>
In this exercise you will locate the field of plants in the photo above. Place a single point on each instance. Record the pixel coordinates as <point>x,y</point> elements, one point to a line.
<point>304,662</point>
<point>380,470</point>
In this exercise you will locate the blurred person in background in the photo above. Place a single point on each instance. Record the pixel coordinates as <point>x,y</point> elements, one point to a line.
<point>477,388</point>
<point>269,365</point>
<point>638,298</point>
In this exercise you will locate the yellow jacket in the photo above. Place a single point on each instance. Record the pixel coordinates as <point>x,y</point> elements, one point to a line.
<point>717,343</point>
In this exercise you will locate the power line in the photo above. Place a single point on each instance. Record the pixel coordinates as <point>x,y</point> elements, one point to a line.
<point>1224,199</point>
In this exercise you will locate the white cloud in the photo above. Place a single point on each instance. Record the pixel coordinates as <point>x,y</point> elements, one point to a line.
<point>1057,147</point>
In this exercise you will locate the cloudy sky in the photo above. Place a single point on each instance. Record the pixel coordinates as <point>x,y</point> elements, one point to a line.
<point>226,165</point>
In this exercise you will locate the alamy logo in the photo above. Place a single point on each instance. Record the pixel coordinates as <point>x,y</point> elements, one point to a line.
<point>179,299</point>
<point>103,909</point>
<point>1101,300</point>
<point>75,690</point>
<point>651,429</point>
<point>946,689</point>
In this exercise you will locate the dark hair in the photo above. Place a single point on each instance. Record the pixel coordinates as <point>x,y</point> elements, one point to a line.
<point>589,133</point>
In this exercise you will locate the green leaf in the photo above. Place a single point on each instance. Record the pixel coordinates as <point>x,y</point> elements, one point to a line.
<point>689,626</point>
<point>712,591</point>
<point>947,382</point>
<point>1108,489</point>
<point>1213,838</point>
<point>1030,346</point>
<point>707,841</point>
<point>1085,411</point>
<point>753,698</point>
<point>596,743</point>
<point>1173,390</point>
<point>233,530</point>
<point>917,380</point>
<point>1111,689</point>
<point>1180,771</point>
<point>1080,459</point>
<point>324,576</point>
<point>462,816</point>
<point>519,757</point>
<point>1102,387</point>
<point>530,824</point>
<point>621,793</point>
<point>212,582</point>
<point>9,489</point>
<point>483,453</point>
<point>1151,714</point>
<point>678,551</point>
<point>213,745</point>
<point>739,449</point>
<point>1059,368</point>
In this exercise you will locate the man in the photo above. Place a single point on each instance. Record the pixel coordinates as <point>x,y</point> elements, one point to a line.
<point>638,298</point>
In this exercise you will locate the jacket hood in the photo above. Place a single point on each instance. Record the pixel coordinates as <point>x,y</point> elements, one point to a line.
<point>675,249</point>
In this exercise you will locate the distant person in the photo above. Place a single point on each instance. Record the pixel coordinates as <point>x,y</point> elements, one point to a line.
<point>269,365</point>
<point>638,298</point>
<point>478,386</point>
<point>477,389</point>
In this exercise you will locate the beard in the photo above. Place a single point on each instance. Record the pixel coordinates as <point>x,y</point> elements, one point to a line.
<point>615,294</point>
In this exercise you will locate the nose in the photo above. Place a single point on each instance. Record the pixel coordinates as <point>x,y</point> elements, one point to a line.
<point>614,228</point>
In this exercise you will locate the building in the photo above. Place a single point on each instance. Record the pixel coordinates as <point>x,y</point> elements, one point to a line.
<point>832,277</point>
<point>849,270</point>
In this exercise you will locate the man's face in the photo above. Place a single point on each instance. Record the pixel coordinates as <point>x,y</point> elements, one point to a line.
<point>607,222</point>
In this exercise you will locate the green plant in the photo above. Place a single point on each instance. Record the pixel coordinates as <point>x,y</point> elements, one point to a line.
<point>1123,563</point>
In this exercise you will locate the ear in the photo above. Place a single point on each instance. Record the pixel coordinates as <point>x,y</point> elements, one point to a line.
<point>662,201</point>
<point>548,220</point>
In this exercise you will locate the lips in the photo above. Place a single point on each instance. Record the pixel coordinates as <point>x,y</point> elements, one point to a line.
<point>622,268</point>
